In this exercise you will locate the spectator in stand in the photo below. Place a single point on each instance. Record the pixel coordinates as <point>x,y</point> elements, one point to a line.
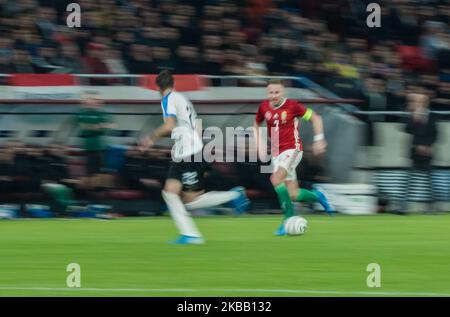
<point>163,58</point>
<point>94,61</point>
<point>423,128</point>
<point>254,63</point>
<point>46,22</point>
<point>213,37</point>
<point>395,91</point>
<point>432,40</point>
<point>6,67</point>
<point>188,59</point>
<point>47,58</point>
<point>234,62</point>
<point>69,59</point>
<point>375,99</point>
<point>114,62</point>
<point>213,60</point>
<point>443,54</point>
<point>21,62</point>
<point>422,125</point>
<point>141,59</point>
<point>442,100</point>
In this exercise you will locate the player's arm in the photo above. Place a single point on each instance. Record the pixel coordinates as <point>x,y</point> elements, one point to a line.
<point>92,126</point>
<point>86,126</point>
<point>170,122</point>
<point>108,123</point>
<point>163,130</point>
<point>320,144</point>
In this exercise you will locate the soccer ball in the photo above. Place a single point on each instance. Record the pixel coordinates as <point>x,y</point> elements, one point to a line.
<point>295,225</point>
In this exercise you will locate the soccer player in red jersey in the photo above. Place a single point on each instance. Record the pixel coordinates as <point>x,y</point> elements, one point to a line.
<point>282,119</point>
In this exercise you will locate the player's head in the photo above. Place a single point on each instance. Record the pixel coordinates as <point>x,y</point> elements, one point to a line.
<point>418,101</point>
<point>417,96</point>
<point>91,99</point>
<point>164,81</point>
<point>275,91</point>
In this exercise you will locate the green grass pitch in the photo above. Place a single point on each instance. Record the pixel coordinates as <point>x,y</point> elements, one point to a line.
<point>242,257</point>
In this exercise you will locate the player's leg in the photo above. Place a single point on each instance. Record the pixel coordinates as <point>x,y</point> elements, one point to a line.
<point>183,221</point>
<point>300,194</point>
<point>317,195</point>
<point>284,166</point>
<point>63,196</point>
<point>210,199</point>
<point>196,198</point>
<point>277,180</point>
<point>283,181</point>
<point>102,179</point>
<point>93,168</point>
<point>189,234</point>
<point>189,196</point>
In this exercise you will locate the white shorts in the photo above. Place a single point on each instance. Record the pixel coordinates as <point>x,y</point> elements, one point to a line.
<point>288,160</point>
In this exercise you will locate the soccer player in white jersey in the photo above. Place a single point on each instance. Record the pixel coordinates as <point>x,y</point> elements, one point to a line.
<point>183,189</point>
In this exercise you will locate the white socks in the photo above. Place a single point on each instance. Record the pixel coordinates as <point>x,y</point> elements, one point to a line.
<point>180,216</point>
<point>212,199</point>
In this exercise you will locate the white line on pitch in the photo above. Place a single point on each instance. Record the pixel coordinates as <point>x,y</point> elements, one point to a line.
<point>175,290</point>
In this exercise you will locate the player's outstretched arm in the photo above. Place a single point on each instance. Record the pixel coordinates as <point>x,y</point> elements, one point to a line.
<point>163,130</point>
<point>319,144</point>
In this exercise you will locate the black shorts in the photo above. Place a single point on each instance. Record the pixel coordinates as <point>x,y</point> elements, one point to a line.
<point>190,174</point>
<point>94,162</point>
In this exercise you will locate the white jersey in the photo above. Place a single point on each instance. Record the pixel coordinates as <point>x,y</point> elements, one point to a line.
<point>187,140</point>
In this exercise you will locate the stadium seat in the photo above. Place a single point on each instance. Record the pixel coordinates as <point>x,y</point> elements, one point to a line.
<point>413,59</point>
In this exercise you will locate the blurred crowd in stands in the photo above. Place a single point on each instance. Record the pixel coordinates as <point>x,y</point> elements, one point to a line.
<point>327,41</point>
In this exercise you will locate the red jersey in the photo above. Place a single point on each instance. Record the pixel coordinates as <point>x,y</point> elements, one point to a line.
<point>283,124</point>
